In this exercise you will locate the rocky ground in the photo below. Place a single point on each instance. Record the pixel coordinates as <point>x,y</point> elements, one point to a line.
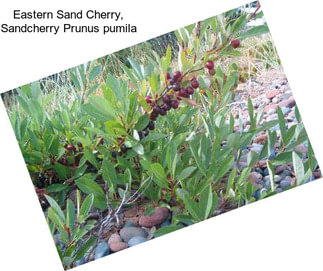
<point>268,91</point>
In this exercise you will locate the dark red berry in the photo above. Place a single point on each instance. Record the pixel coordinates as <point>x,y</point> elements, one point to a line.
<point>148,99</point>
<point>151,125</point>
<point>166,107</point>
<point>175,104</point>
<point>171,81</point>
<point>190,90</point>
<point>124,148</point>
<point>156,109</point>
<point>163,112</point>
<point>194,83</point>
<point>177,76</point>
<point>212,72</point>
<point>63,161</point>
<point>235,43</point>
<point>145,132</point>
<point>210,65</point>
<point>70,147</point>
<point>183,92</point>
<point>168,77</point>
<point>153,116</point>
<point>167,99</point>
<point>176,87</point>
<point>79,144</point>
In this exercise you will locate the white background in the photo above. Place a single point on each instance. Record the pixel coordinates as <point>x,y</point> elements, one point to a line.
<point>283,232</point>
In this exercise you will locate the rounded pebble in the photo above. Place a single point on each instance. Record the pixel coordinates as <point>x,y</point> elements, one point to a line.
<point>136,241</point>
<point>118,246</point>
<point>155,218</point>
<point>101,250</point>
<point>129,232</point>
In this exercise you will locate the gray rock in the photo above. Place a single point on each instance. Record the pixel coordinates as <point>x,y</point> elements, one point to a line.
<point>101,250</point>
<point>129,224</point>
<point>285,173</point>
<point>114,238</point>
<point>136,241</point>
<point>285,110</point>
<point>279,190</point>
<point>284,184</point>
<point>129,232</point>
<point>277,178</point>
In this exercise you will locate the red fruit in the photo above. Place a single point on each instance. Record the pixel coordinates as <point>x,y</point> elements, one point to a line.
<point>156,109</point>
<point>212,72</point>
<point>70,147</point>
<point>163,112</point>
<point>183,92</point>
<point>52,161</point>
<point>153,116</point>
<point>235,43</point>
<point>167,99</point>
<point>210,65</point>
<point>194,83</point>
<point>63,161</point>
<point>168,77</point>
<point>79,145</point>
<point>190,90</point>
<point>177,75</point>
<point>176,87</point>
<point>166,107</point>
<point>148,99</point>
<point>175,104</point>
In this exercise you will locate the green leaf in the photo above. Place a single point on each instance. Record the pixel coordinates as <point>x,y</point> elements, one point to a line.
<point>85,208</point>
<point>56,207</point>
<point>205,203</point>
<point>255,31</point>
<point>56,187</point>
<point>192,207</point>
<point>186,173</point>
<point>84,249</point>
<point>142,122</point>
<point>298,168</point>
<point>109,174</point>
<point>95,71</point>
<point>55,218</point>
<point>88,186</point>
<point>160,175</point>
<point>70,215</point>
<point>239,23</point>
<point>167,229</point>
<point>91,158</point>
<point>271,171</point>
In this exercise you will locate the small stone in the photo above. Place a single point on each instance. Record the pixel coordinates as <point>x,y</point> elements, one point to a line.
<point>285,173</point>
<point>277,178</point>
<point>272,94</point>
<point>114,238</point>
<point>271,106</point>
<point>280,169</point>
<point>285,110</point>
<point>254,177</point>
<point>261,138</point>
<point>284,184</point>
<point>136,241</point>
<point>118,246</point>
<point>129,224</point>
<point>301,148</point>
<point>290,102</point>
<point>101,250</point>
<point>273,116</point>
<point>154,219</point>
<point>279,190</point>
<point>129,232</point>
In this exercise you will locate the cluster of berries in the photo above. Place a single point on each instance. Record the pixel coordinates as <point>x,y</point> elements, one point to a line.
<point>70,148</point>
